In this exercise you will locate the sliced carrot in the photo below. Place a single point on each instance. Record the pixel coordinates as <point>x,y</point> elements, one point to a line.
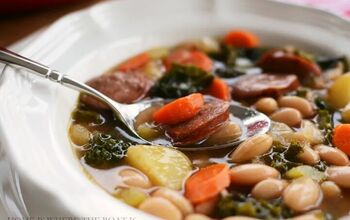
<point>207,183</point>
<point>240,38</point>
<point>189,57</point>
<point>341,138</point>
<point>134,62</point>
<point>219,89</point>
<point>180,110</point>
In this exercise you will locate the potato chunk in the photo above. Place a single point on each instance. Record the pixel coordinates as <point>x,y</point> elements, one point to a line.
<point>339,93</point>
<point>164,166</point>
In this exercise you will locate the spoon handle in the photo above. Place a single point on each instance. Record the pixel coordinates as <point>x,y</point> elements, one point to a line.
<point>55,76</point>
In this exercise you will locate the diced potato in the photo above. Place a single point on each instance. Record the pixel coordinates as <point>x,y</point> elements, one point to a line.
<point>345,114</point>
<point>305,171</point>
<point>147,132</point>
<point>339,93</point>
<point>311,132</point>
<point>227,133</point>
<point>79,135</point>
<point>131,196</point>
<point>164,166</point>
<point>158,53</point>
<point>154,70</point>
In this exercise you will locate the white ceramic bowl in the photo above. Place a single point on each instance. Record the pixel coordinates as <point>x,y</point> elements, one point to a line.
<point>34,113</point>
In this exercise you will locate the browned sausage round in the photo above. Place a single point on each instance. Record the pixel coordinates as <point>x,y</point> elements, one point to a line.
<point>121,87</point>
<point>278,61</point>
<point>253,86</point>
<point>212,115</point>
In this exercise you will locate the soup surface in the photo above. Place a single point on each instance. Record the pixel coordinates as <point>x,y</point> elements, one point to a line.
<point>300,168</point>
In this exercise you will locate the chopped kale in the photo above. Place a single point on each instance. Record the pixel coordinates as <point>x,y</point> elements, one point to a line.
<point>240,204</point>
<point>228,72</point>
<point>105,151</point>
<point>282,158</point>
<point>324,118</point>
<point>325,124</point>
<point>253,54</point>
<point>321,165</point>
<point>228,55</point>
<point>322,104</point>
<point>331,62</point>
<point>181,81</point>
<point>87,116</point>
<point>302,92</point>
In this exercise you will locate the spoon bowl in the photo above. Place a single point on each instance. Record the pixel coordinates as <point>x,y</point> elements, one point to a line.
<point>251,121</point>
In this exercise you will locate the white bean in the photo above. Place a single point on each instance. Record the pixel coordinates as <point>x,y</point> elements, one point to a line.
<point>251,174</point>
<point>301,104</point>
<point>309,156</point>
<point>133,177</point>
<point>302,194</point>
<point>269,189</point>
<point>177,199</point>
<point>330,189</point>
<point>197,217</point>
<point>340,175</point>
<point>289,116</point>
<point>161,207</point>
<point>251,148</point>
<point>207,207</point>
<point>332,155</point>
<point>266,105</point>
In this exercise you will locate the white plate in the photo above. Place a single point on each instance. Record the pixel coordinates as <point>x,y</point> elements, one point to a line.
<point>34,113</point>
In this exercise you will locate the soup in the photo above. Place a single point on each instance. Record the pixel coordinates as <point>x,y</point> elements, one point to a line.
<point>300,167</point>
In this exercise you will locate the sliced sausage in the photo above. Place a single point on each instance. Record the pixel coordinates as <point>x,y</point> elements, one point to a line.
<point>205,123</point>
<point>279,61</point>
<point>121,87</point>
<point>253,86</point>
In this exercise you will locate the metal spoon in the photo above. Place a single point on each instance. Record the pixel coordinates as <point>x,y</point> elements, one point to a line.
<point>252,122</point>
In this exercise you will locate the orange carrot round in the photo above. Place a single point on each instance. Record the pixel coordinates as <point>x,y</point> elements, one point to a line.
<point>341,138</point>
<point>207,183</point>
<point>219,89</point>
<point>179,110</point>
<point>189,57</point>
<point>134,62</point>
<point>240,38</point>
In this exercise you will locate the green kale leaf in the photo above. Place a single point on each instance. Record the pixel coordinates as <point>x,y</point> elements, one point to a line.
<point>282,158</point>
<point>324,119</point>
<point>182,80</point>
<point>105,151</point>
<point>235,203</point>
<point>226,58</point>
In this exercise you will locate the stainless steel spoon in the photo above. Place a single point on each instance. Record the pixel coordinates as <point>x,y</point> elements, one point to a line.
<point>252,122</point>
